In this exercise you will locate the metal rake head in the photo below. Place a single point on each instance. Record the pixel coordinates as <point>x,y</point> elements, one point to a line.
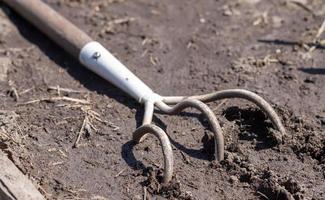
<point>175,104</point>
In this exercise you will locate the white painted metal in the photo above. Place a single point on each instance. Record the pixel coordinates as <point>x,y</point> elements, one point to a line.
<point>99,60</point>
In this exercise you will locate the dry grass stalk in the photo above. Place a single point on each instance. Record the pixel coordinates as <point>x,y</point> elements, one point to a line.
<point>53,99</point>
<point>302,4</point>
<point>76,144</point>
<point>67,90</point>
<point>321,30</point>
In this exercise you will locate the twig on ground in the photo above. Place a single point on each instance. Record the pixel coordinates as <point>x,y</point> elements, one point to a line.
<point>3,136</point>
<point>97,197</point>
<point>60,89</point>
<point>263,195</point>
<point>119,173</point>
<point>43,191</point>
<point>192,185</point>
<point>219,105</point>
<point>59,151</point>
<point>303,6</point>
<point>53,99</point>
<point>321,30</point>
<point>110,26</point>
<point>62,153</point>
<point>26,91</point>
<point>57,163</point>
<point>14,50</point>
<point>187,161</point>
<point>115,128</point>
<point>76,144</point>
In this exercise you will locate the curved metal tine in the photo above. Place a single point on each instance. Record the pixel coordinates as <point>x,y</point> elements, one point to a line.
<point>235,93</point>
<point>208,113</point>
<point>148,113</point>
<point>147,117</point>
<point>165,146</point>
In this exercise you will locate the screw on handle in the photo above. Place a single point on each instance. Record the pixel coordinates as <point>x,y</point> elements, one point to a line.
<point>50,22</point>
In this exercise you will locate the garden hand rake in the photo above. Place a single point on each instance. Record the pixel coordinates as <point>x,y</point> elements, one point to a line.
<point>99,60</point>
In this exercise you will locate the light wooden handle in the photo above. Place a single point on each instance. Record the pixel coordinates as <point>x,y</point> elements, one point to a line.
<point>50,22</point>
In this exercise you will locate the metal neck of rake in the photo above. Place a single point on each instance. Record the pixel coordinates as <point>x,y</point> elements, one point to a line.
<point>99,60</point>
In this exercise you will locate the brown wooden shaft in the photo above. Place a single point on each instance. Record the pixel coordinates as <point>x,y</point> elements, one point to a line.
<point>50,22</point>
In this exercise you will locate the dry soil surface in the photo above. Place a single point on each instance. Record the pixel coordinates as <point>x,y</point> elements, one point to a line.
<point>179,47</point>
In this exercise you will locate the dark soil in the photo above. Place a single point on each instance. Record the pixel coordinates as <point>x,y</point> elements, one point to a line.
<point>178,48</point>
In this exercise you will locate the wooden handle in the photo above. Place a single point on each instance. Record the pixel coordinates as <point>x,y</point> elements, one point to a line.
<point>50,22</point>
